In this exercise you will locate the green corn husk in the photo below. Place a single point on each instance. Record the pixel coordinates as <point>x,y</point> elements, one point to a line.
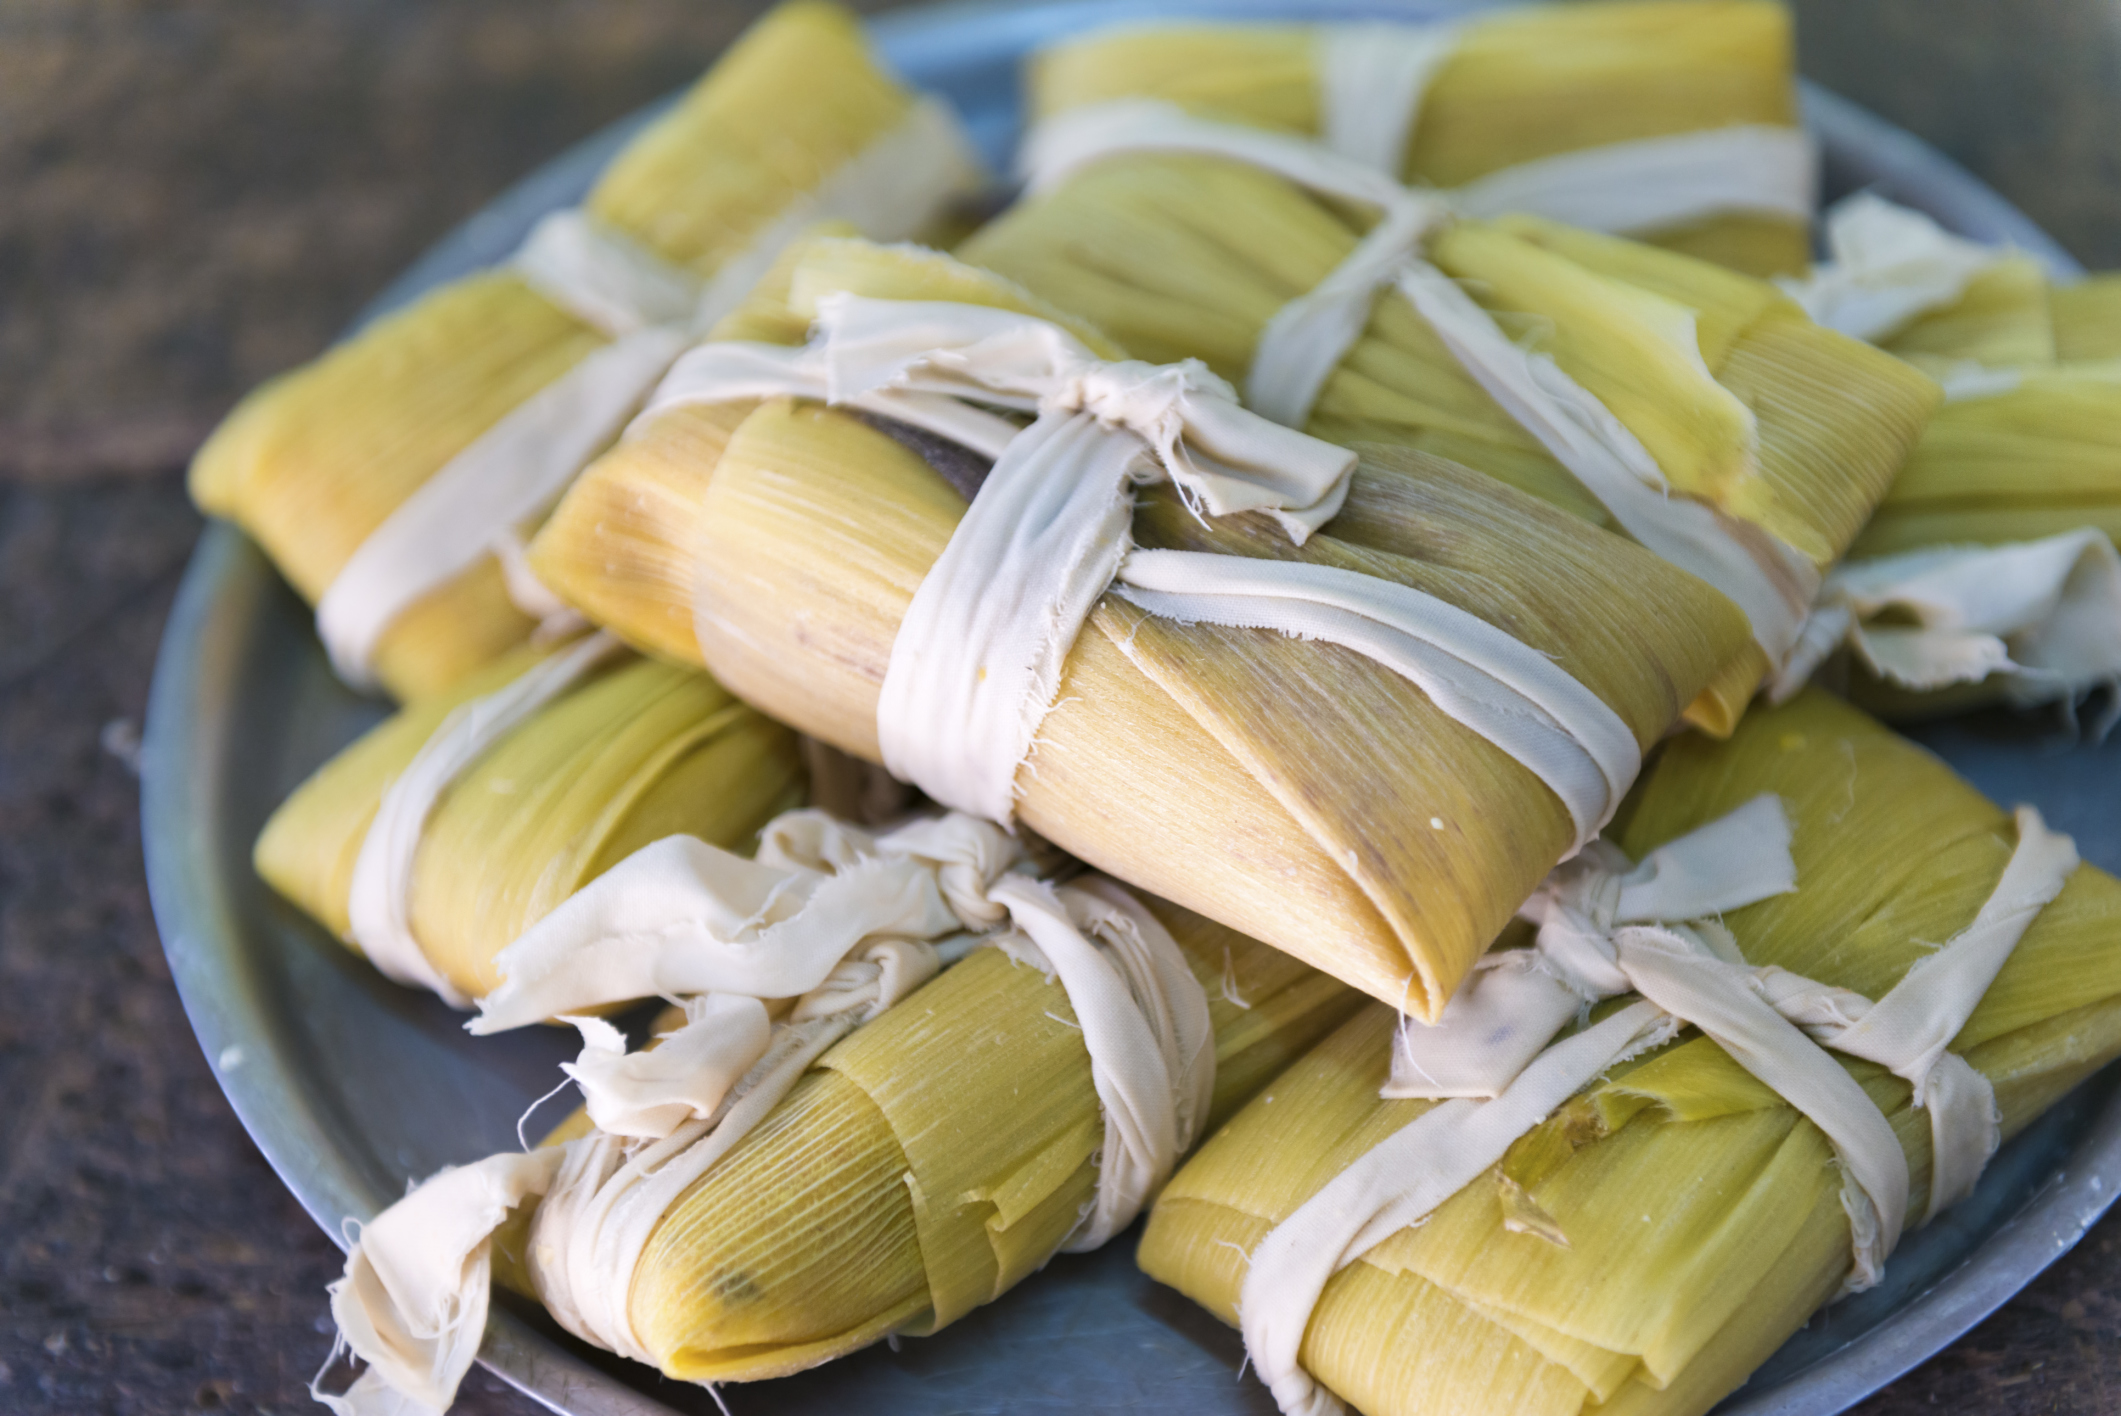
<point>1776,421</point>
<point>1519,86</point>
<point>631,755</point>
<point>926,1164</point>
<point>1261,780</point>
<point>312,461</point>
<point>2087,318</point>
<point>2004,319</point>
<point>1659,1236</point>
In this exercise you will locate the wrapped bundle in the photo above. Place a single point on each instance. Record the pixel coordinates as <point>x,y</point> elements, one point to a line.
<point>2086,316</point>
<point>1655,373</point>
<point>1301,656</point>
<point>1633,1216</point>
<point>1550,108</point>
<point>448,829</point>
<point>799,1167</point>
<point>392,479</point>
<point>1989,572</point>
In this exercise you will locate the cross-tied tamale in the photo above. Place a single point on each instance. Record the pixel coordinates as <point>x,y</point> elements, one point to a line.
<point>1743,403</point>
<point>926,1164</point>
<point>634,753</point>
<point>1649,1244</point>
<point>1265,781</point>
<point>1510,88</point>
<point>316,460</point>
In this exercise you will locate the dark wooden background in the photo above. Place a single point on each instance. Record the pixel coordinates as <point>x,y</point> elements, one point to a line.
<point>197,193</point>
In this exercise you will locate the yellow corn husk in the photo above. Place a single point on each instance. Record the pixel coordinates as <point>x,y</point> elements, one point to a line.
<point>1258,779</point>
<point>2003,319</point>
<point>2087,318</point>
<point>312,461</point>
<point>2040,459</point>
<point>1745,402</point>
<point>1519,86</point>
<point>1653,1241</point>
<point>930,1161</point>
<point>636,753</point>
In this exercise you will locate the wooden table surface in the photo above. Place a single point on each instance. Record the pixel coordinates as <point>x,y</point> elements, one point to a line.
<point>195,195</point>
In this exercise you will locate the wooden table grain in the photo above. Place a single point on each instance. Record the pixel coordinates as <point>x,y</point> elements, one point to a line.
<point>196,195</point>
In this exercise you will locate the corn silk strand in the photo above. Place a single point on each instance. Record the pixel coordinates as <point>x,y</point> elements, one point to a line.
<point>651,310</point>
<point>1608,928</point>
<point>844,924</point>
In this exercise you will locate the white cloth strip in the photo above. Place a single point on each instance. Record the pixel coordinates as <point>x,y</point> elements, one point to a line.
<point>1308,338</point>
<point>1773,1023</point>
<point>1505,691</point>
<point>1145,1024</point>
<point>379,900</point>
<point>2043,615</point>
<point>1371,82</point>
<point>1886,265</point>
<point>1653,184</point>
<point>413,1300</point>
<point>509,475</point>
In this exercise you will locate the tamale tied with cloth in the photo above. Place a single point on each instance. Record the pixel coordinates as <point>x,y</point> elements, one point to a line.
<point>1989,571</point>
<point>1355,712</point>
<point>1678,120</point>
<point>394,479</point>
<point>829,1143</point>
<point>1696,409</point>
<point>1784,1016</point>
<point>434,840</point>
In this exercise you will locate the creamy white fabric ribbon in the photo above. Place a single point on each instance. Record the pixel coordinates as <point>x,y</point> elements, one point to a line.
<point>1371,82</point>
<point>478,503</point>
<point>977,660</point>
<point>1773,1023</point>
<point>2045,615</point>
<point>379,899</point>
<point>845,923</point>
<point>1309,337</point>
<point>1885,266</point>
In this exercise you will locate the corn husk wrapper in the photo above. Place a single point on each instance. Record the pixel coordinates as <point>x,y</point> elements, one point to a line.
<point>1659,1236</point>
<point>1519,86</point>
<point>926,1164</point>
<point>2086,316</point>
<point>636,753</point>
<point>1741,399</point>
<point>314,460</point>
<point>2003,319</point>
<point>1261,780</point>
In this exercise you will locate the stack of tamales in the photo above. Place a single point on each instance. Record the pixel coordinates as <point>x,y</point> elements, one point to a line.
<point>889,1088</point>
<point>314,462</point>
<point>1505,90</point>
<point>1659,1235</point>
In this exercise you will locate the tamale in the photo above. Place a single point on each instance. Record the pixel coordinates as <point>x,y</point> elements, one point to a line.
<point>2086,316</point>
<point>1650,1244</point>
<point>1258,779</point>
<point>1511,88</point>
<point>314,462</point>
<point>1745,404</point>
<point>634,753</point>
<point>887,1152</point>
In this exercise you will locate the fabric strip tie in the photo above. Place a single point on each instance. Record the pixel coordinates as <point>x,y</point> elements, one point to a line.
<point>379,900</point>
<point>651,310</point>
<point>1886,266</point>
<point>1774,1023</point>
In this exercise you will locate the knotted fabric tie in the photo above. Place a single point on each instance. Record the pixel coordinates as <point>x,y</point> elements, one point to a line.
<point>843,923</point>
<point>1307,339</point>
<point>379,899</point>
<point>1773,1023</point>
<point>977,661</point>
<point>2043,615</point>
<point>478,502</point>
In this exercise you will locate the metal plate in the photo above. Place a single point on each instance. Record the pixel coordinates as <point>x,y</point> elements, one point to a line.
<point>352,1086</point>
